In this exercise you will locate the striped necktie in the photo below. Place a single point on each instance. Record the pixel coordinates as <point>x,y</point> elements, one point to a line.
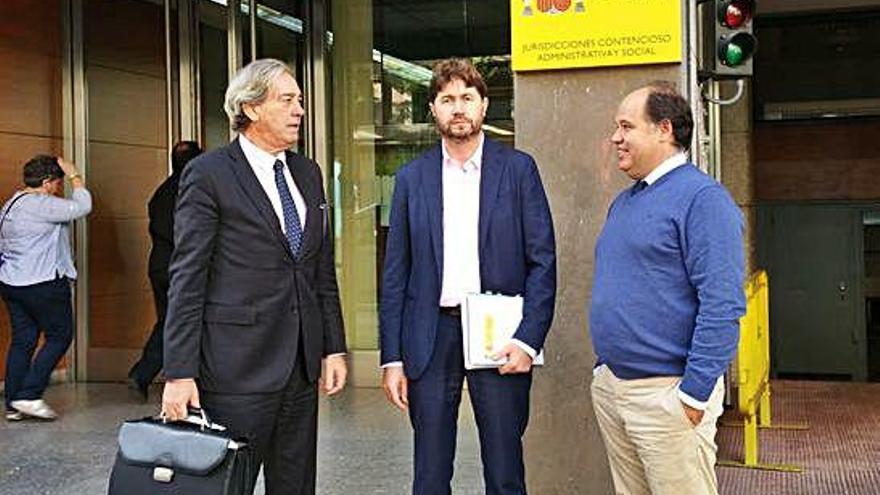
<point>292,228</point>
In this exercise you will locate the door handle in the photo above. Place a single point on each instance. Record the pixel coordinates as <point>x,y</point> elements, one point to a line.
<point>854,335</point>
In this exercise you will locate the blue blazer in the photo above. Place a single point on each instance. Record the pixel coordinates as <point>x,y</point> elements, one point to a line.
<point>516,247</point>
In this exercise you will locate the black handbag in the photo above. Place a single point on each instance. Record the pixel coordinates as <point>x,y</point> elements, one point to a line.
<point>192,457</point>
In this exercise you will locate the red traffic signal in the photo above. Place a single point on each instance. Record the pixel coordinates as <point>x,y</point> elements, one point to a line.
<point>733,14</point>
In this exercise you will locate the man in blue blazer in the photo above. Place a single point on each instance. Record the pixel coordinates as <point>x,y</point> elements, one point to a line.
<point>468,216</point>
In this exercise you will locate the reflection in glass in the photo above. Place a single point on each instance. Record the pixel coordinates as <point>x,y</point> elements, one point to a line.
<point>214,72</point>
<point>280,35</point>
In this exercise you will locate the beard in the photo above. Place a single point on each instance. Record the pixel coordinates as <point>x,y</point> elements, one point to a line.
<point>453,130</point>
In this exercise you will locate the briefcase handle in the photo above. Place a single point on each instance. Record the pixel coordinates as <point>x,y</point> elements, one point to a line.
<point>198,417</point>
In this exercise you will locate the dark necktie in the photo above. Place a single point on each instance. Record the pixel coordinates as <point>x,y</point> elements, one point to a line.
<point>639,186</point>
<point>292,227</point>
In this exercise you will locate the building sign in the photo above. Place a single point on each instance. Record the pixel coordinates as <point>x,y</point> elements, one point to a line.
<point>562,34</point>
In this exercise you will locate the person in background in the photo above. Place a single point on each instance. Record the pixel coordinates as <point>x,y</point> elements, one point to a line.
<point>161,211</point>
<point>36,269</point>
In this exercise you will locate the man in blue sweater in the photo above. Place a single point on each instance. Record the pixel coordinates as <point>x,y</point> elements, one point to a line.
<point>667,298</point>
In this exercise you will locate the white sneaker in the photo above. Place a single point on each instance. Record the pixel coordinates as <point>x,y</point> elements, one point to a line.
<point>35,408</point>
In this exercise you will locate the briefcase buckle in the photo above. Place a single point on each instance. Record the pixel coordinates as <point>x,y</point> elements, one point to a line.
<point>163,474</point>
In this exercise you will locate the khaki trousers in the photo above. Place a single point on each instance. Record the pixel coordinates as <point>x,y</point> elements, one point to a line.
<point>652,446</point>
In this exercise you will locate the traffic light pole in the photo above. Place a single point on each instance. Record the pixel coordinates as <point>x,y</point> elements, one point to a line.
<point>714,131</point>
<point>712,96</point>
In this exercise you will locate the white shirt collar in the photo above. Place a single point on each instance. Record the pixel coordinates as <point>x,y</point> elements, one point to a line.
<point>258,157</point>
<point>472,163</point>
<point>665,167</point>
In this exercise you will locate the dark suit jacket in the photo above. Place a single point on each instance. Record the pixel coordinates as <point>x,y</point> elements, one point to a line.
<point>161,211</point>
<point>239,303</point>
<point>516,248</point>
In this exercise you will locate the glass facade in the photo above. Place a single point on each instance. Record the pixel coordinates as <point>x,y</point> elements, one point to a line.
<point>279,34</point>
<point>382,54</point>
<point>125,79</point>
<point>213,64</point>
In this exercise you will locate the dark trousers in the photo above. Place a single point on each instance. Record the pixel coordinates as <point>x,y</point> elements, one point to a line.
<point>501,409</point>
<point>148,366</point>
<point>281,427</point>
<point>34,308</point>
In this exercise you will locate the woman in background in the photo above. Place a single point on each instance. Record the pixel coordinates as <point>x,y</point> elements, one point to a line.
<point>36,268</point>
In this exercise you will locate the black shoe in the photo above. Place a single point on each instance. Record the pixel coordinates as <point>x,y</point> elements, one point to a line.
<point>142,389</point>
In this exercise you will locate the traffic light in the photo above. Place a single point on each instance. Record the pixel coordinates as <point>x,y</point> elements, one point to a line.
<point>728,40</point>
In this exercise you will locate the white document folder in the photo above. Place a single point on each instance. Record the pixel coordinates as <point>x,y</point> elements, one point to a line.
<point>488,322</point>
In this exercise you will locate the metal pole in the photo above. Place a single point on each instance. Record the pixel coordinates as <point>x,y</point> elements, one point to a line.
<point>75,147</point>
<point>169,89</point>
<point>252,18</point>
<point>715,131</point>
<point>233,48</point>
<point>317,72</point>
<point>188,33</point>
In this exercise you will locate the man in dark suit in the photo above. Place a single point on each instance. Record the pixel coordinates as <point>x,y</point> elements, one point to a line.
<point>253,306</point>
<point>468,216</point>
<point>161,211</point>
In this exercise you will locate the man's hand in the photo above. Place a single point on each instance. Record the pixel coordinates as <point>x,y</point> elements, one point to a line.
<point>178,394</point>
<point>333,374</point>
<point>394,382</point>
<point>695,415</point>
<point>517,360</point>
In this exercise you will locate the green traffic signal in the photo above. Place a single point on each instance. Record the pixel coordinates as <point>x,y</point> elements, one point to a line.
<point>734,55</point>
<point>736,49</point>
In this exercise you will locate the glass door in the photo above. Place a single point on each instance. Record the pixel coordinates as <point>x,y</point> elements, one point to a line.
<point>269,28</point>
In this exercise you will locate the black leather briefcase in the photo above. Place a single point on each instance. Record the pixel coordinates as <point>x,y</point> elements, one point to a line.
<point>192,457</point>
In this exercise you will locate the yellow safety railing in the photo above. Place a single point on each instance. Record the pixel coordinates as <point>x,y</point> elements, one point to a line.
<point>753,370</point>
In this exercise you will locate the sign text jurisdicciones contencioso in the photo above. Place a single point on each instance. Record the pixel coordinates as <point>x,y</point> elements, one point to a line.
<point>563,34</point>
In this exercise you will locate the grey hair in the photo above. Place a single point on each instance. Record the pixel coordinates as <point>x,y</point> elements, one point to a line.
<point>251,86</point>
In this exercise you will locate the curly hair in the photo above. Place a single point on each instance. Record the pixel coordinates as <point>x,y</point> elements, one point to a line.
<point>450,69</point>
<point>41,168</point>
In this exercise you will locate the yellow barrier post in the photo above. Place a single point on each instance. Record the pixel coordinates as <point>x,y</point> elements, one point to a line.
<point>754,374</point>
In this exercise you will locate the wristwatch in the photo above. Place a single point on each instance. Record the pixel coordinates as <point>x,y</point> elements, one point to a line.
<point>73,176</point>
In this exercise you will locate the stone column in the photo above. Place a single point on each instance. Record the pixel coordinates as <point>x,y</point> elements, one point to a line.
<point>737,170</point>
<point>354,155</point>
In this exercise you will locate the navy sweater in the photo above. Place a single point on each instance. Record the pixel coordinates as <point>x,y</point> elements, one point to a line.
<point>668,284</point>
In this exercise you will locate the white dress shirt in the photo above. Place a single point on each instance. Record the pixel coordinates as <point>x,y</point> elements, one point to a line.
<point>665,167</point>
<point>263,165</point>
<point>461,220</point>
